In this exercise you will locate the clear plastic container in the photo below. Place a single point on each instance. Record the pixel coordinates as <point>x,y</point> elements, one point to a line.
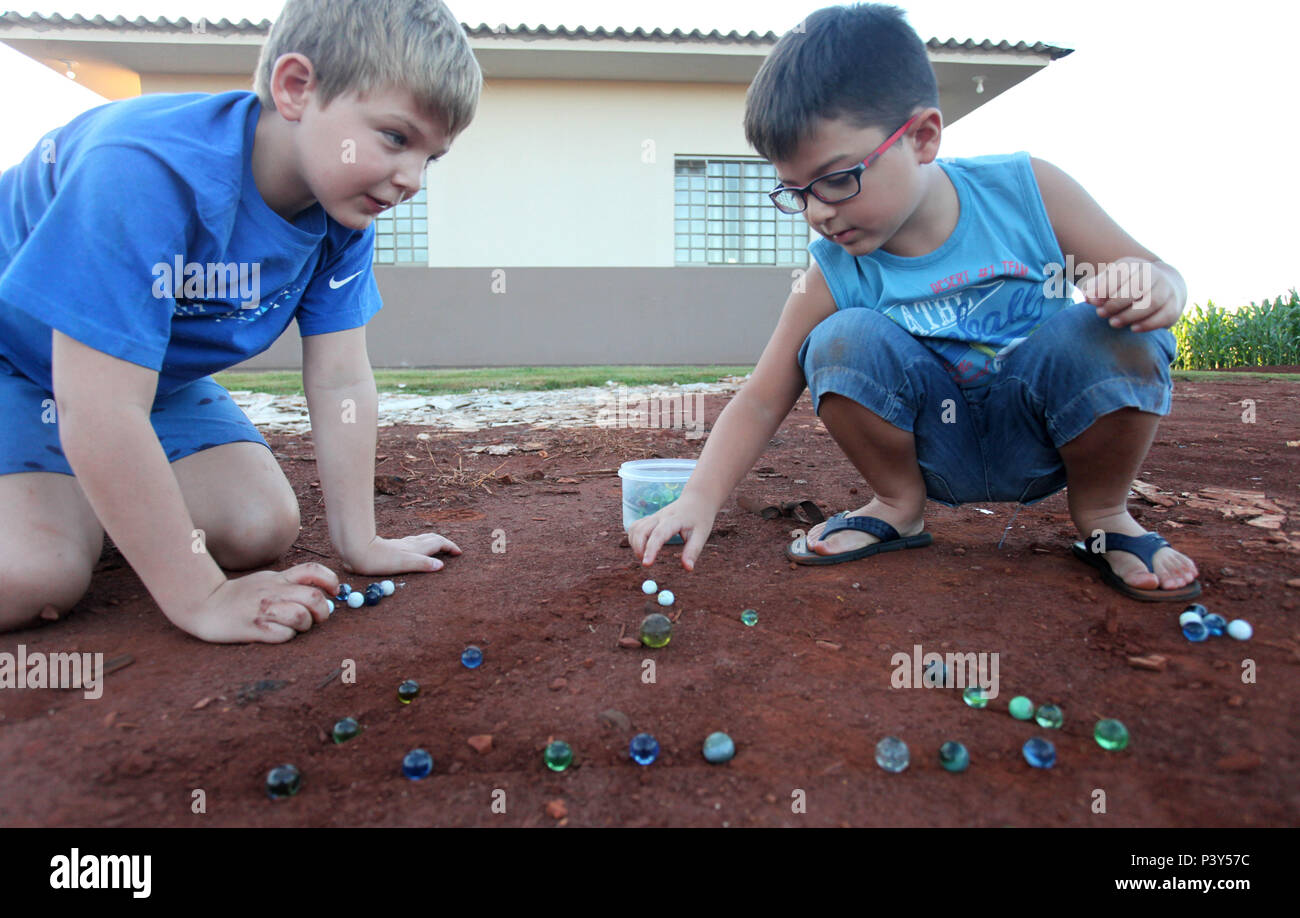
<point>650,484</point>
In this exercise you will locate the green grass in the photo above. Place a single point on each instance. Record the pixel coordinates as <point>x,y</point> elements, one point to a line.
<point>449,382</point>
<point>1264,334</point>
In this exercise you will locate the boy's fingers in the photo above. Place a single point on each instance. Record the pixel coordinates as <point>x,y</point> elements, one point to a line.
<point>313,573</point>
<point>285,612</point>
<point>694,545</point>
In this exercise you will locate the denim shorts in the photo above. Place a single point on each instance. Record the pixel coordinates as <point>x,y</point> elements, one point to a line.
<point>193,418</point>
<point>999,441</point>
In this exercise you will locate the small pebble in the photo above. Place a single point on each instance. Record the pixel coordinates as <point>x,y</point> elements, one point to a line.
<point>556,809</point>
<point>481,743</point>
<point>649,588</point>
<point>718,748</point>
<point>1021,708</point>
<point>666,597</point>
<point>1039,753</point>
<point>1240,629</point>
<point>417,764</point>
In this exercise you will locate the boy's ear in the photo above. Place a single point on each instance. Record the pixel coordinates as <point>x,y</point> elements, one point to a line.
<point>293,82</point>
<point>926,133</point>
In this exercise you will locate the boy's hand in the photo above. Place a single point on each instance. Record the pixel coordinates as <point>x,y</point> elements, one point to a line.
<point>400,556</point>
<point>1142,294</point>
<point>268,606</point>
<point>684,515</point>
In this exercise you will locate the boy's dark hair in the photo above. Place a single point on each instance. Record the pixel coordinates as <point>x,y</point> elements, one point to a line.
<point>862,63</point>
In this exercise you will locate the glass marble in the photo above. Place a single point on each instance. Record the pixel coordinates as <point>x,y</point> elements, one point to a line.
<point>718,748</point>
<point>666,597</point>
<point>953,756</point>
<point>408,690</point>
<point>387,587</point>
<point>1195,631</point>
<point>1215,624</point>
<point>749,617</point>
<point>1111,734</point>
<point>1049,716</point>
<point>346,729</point>
<point>344,590</point>
<point>974,696</point>
<point>283,781</point>
<point>1039,753</point>
<point>373,594</point>
<point>472,657</point>
<point>935,674</point>
<point>644,749</point>
<point>1198,609</point>
<point>892,754</point>
<point>356,600</point>
<point>417,764</point>
<point>558,755</point>
<point>656,630</point>
<point>1021,708</point>
<point>1188,615</point>
<point>649,588</point>
<point>1240,629</point>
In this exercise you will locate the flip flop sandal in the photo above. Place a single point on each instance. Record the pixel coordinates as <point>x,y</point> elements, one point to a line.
<point>1144,547</point>
<point>890,540</point>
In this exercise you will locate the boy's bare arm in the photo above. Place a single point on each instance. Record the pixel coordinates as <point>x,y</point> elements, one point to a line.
<point>1139,296</point>
<point>343,403</point>
<point>742,431</point>
<point>107,437</point>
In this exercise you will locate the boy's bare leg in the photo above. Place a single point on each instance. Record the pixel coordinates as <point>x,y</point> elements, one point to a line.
<point>885,455</point>
<point>1100,466</point>
<point>238,495</point>
<point>49,545</point>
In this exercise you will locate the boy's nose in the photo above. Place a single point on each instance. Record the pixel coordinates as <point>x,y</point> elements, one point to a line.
<point>410,177</point>
<point>818,213</point>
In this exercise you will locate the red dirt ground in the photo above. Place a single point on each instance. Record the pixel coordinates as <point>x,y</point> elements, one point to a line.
<point>1207,750</point>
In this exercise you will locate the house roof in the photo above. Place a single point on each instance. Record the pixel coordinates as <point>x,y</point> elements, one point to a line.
<point>483,30</point>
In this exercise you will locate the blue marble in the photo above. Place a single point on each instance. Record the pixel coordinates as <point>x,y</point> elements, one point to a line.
<point>417,764</point>
<point>344,590</point>
<point>718,747</point>
<point>472,657</point>
<point>1039,753</point>
<point>373,594</point>
<point>644,749</point>
<point>1195,631</point>
<point>892,754</point>
<point>1215,624</point>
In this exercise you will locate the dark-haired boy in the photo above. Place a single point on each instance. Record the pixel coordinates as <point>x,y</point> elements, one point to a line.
<point>935,355</point>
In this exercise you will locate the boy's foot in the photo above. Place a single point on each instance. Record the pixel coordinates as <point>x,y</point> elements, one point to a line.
<point>848,540</point>
<point>1171,571</point>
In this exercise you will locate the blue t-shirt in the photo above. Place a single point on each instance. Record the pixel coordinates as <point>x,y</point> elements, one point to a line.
<point>138,230</point>
<point>981,293</point>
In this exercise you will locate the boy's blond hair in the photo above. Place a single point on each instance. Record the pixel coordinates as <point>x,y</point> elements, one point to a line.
<point>360,45</point>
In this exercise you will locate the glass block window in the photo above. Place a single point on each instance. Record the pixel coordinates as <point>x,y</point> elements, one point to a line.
<point>723,216</point>
<point>402,233</point>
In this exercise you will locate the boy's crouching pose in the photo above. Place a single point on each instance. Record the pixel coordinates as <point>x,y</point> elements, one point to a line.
<point>154,241</point>
<point>938,354</point>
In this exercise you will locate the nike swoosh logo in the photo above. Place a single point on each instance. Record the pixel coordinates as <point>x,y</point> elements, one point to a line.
<point>334,285</point>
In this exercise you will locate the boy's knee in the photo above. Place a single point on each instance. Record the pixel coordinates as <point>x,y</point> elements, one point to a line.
<point>259,535</point>
<point>58,576</point>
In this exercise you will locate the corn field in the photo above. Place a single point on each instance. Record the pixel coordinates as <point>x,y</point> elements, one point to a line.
<point>1267,334</point>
